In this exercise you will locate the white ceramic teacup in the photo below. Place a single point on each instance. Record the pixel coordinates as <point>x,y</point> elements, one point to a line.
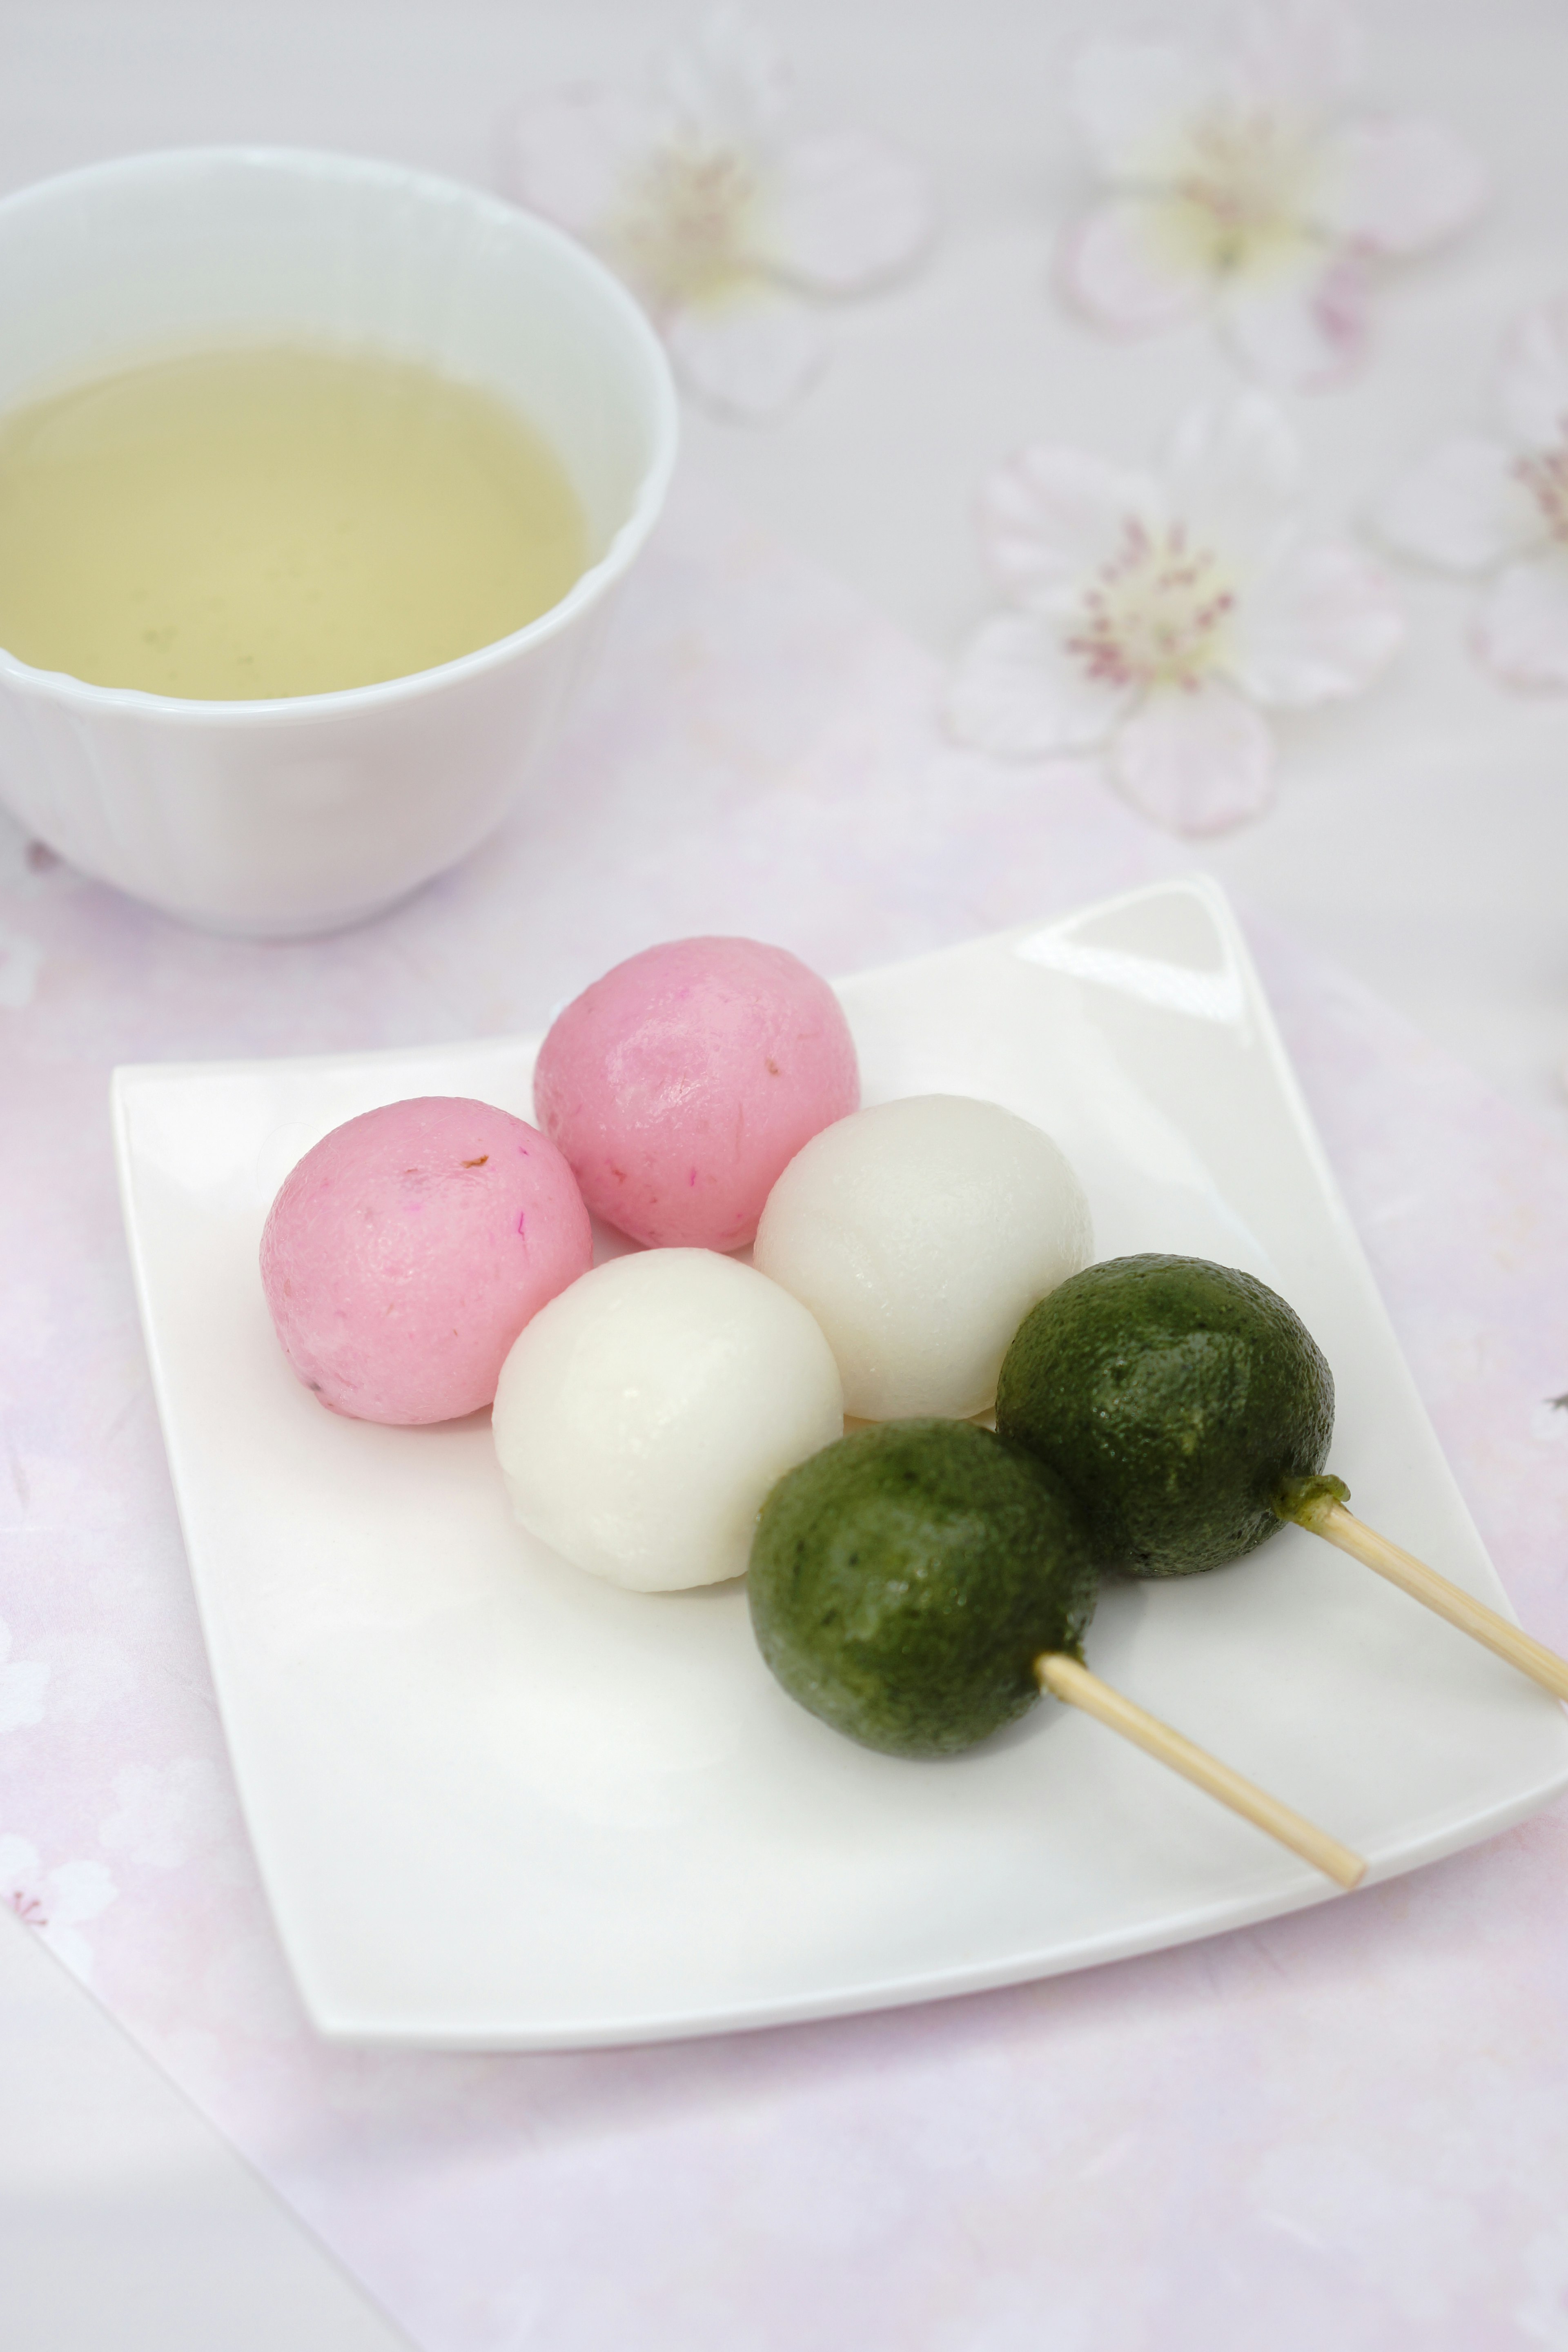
<point>273,818</point>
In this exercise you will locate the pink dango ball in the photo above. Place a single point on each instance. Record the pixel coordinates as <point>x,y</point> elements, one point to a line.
<point>409,1248</point>
<point>681,1085</point>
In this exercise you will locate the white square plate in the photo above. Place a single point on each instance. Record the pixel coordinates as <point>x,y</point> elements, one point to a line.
<point>498,1804</point>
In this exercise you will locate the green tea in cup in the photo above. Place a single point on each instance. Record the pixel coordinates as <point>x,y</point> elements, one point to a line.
<point>250,521</point>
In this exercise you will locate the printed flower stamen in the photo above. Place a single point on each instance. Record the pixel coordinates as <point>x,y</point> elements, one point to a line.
<point>1153,612</point>
<point>683,233</point>
<point>1242,192</point>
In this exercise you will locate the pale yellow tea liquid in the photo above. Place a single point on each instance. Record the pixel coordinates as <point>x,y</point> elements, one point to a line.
<point>243,523</point>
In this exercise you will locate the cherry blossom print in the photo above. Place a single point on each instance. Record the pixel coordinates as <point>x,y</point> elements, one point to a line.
<point>1155,616</point>
<point>23,1682</point>
<point>722,213</point>
<point>58,1901</point>
<point>1498,504</point>
<point>1242,187</point>
<point>168,1814</point>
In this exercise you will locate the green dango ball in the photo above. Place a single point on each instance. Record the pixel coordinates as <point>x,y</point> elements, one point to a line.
<point>1177,1401</point>
<point>904,1580</point>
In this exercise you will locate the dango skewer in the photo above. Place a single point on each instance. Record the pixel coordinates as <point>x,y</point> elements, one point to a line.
<point>1319,1505</point>
<point>1070,1680</point>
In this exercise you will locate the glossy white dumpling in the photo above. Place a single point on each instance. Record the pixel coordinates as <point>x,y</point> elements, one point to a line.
<point>643,1416</point>
<point>919,1233</point>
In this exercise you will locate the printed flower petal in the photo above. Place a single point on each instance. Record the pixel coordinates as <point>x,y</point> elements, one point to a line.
<point>78,1890</point>
<point>1015,690</point>
<point>1051,515</point>
<point>1134,101</point>
<point>1396,186</point>
<point>1233,474</point>
<point>1196,763</point>
<point>1462,506</point>
<point>1521,630</point>
<point>1300,58</point>
<point>1300,322</point>
<point>55,1902</point>
<point>730,85</point>
<point>1532,377</point>
<point>844,212</point>
<point>22,1688</point>
<point>749,356</point>
<point>1124,265</point>
<point>23,1682</point>
<point>1323,626</point>
<point>575,154</point>
<point>18,1861</point>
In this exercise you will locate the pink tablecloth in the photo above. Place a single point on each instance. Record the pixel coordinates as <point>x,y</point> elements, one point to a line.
<point>1346,2128</point>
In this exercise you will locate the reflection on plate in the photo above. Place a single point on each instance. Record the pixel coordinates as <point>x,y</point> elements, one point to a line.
<point>498,1804</point>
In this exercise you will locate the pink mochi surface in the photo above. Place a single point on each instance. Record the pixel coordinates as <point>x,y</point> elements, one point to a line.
<point>682,1083</point>
<point>407,1249</point>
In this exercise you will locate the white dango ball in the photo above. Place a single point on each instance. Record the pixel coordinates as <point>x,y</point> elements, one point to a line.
<point>919,1233</point>
<point>643,1416</point>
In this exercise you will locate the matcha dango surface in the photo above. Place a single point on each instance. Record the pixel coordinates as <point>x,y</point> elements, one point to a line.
<point>904,1580</point>
<point>917,1585</point>
<point>1189,1410</point>
<point>1181,1402</point>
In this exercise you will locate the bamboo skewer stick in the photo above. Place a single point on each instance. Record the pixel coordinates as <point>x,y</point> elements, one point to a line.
<point>1323,1516</point>
<point>1066,1680</point>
